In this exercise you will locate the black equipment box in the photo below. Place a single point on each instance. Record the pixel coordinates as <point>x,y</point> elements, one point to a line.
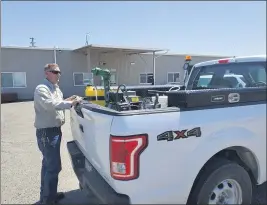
<point>212,97</point>
<point>113,96</point>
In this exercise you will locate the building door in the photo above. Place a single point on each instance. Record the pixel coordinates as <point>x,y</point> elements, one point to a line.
<point>150,78</point>
<point>113,77</point>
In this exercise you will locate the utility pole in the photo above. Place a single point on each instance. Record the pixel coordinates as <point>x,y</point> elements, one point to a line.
<point>86,39</point>
<point>32,42</point>
<point>55,54</point>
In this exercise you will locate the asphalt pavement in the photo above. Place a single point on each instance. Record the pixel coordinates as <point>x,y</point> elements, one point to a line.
<point>21,160</point>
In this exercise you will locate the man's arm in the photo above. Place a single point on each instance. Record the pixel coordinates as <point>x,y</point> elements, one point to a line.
<point>71,97</point>
<point>44,98</point>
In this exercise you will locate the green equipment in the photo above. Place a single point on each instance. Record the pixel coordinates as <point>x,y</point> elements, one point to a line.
<point>122,99</point>
<point>113,100</point>
<point>105,75</point>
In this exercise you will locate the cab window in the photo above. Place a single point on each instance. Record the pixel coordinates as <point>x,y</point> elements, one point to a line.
<point>232,75</point>
<point>204,80</point>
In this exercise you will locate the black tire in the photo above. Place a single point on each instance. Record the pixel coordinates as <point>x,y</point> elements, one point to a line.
<point>214,173</point>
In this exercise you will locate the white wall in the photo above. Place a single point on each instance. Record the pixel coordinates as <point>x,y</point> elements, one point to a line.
<point>127,73</point>
<point>32,62</point>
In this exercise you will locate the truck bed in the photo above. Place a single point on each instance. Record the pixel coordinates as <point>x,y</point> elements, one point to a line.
<point>214,125</point>
<point>186,100</point>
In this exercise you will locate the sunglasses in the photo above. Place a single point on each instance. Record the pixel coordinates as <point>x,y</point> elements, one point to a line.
<point>54,72</point>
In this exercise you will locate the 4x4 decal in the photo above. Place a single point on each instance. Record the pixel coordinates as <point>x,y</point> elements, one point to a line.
<point>183,134</point>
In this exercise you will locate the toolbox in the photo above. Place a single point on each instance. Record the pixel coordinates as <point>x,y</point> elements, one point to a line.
<point>212,97</point>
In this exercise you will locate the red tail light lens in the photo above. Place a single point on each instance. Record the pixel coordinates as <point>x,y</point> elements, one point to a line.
<point>125,155</point>
<point>223,61</point>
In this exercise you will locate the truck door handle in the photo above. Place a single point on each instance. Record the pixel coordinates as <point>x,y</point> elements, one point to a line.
<point>81,127</point>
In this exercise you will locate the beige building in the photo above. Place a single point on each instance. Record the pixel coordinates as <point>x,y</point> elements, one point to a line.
<point>22,68</point>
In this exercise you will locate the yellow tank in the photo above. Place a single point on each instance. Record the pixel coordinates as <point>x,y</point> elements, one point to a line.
<point>94,95</point>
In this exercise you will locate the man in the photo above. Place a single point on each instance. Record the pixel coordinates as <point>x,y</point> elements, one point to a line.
<point>50,109</point>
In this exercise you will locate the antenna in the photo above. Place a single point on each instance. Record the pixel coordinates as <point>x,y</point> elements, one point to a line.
<point>86,39</point>
<point>32,42</point>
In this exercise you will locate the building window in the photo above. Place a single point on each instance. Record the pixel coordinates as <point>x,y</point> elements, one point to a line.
<point>173,77</point>
<point>81,79</point>
<point>113,78</point>
<point>146,78</point>
<point>13,80</point>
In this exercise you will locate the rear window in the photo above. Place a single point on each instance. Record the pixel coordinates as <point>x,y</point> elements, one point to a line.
<point>233,75</point>
<point>204,81</point>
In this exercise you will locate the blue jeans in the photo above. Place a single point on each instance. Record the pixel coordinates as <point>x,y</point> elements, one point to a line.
<point>49,140</point>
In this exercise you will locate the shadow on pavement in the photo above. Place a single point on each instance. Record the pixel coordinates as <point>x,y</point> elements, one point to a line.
<point>259,196</point>
<point>79,197</point>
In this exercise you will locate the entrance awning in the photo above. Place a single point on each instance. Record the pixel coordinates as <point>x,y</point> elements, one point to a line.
<point>104,49</point>
<point>113,49</point>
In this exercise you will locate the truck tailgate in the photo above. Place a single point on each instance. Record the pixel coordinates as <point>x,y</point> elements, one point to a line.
<point>91,132</point>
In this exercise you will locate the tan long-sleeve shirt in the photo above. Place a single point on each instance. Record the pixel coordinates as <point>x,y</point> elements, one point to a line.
<point>49,106</point>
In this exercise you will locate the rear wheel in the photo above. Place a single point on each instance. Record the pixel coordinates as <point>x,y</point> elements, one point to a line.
<point>222,182</point>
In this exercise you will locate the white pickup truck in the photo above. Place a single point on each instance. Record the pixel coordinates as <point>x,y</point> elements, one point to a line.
<point>207,147</point>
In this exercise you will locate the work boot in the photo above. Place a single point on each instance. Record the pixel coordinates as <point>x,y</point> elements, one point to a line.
<point>60,195</point>
<point>48,202</point>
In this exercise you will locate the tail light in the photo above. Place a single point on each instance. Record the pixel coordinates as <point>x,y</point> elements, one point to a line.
<point>125,155</point>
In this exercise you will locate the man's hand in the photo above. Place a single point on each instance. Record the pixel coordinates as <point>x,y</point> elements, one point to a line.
<point>70,98</point>
<point>73,97</point>
<point>76,101</point>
